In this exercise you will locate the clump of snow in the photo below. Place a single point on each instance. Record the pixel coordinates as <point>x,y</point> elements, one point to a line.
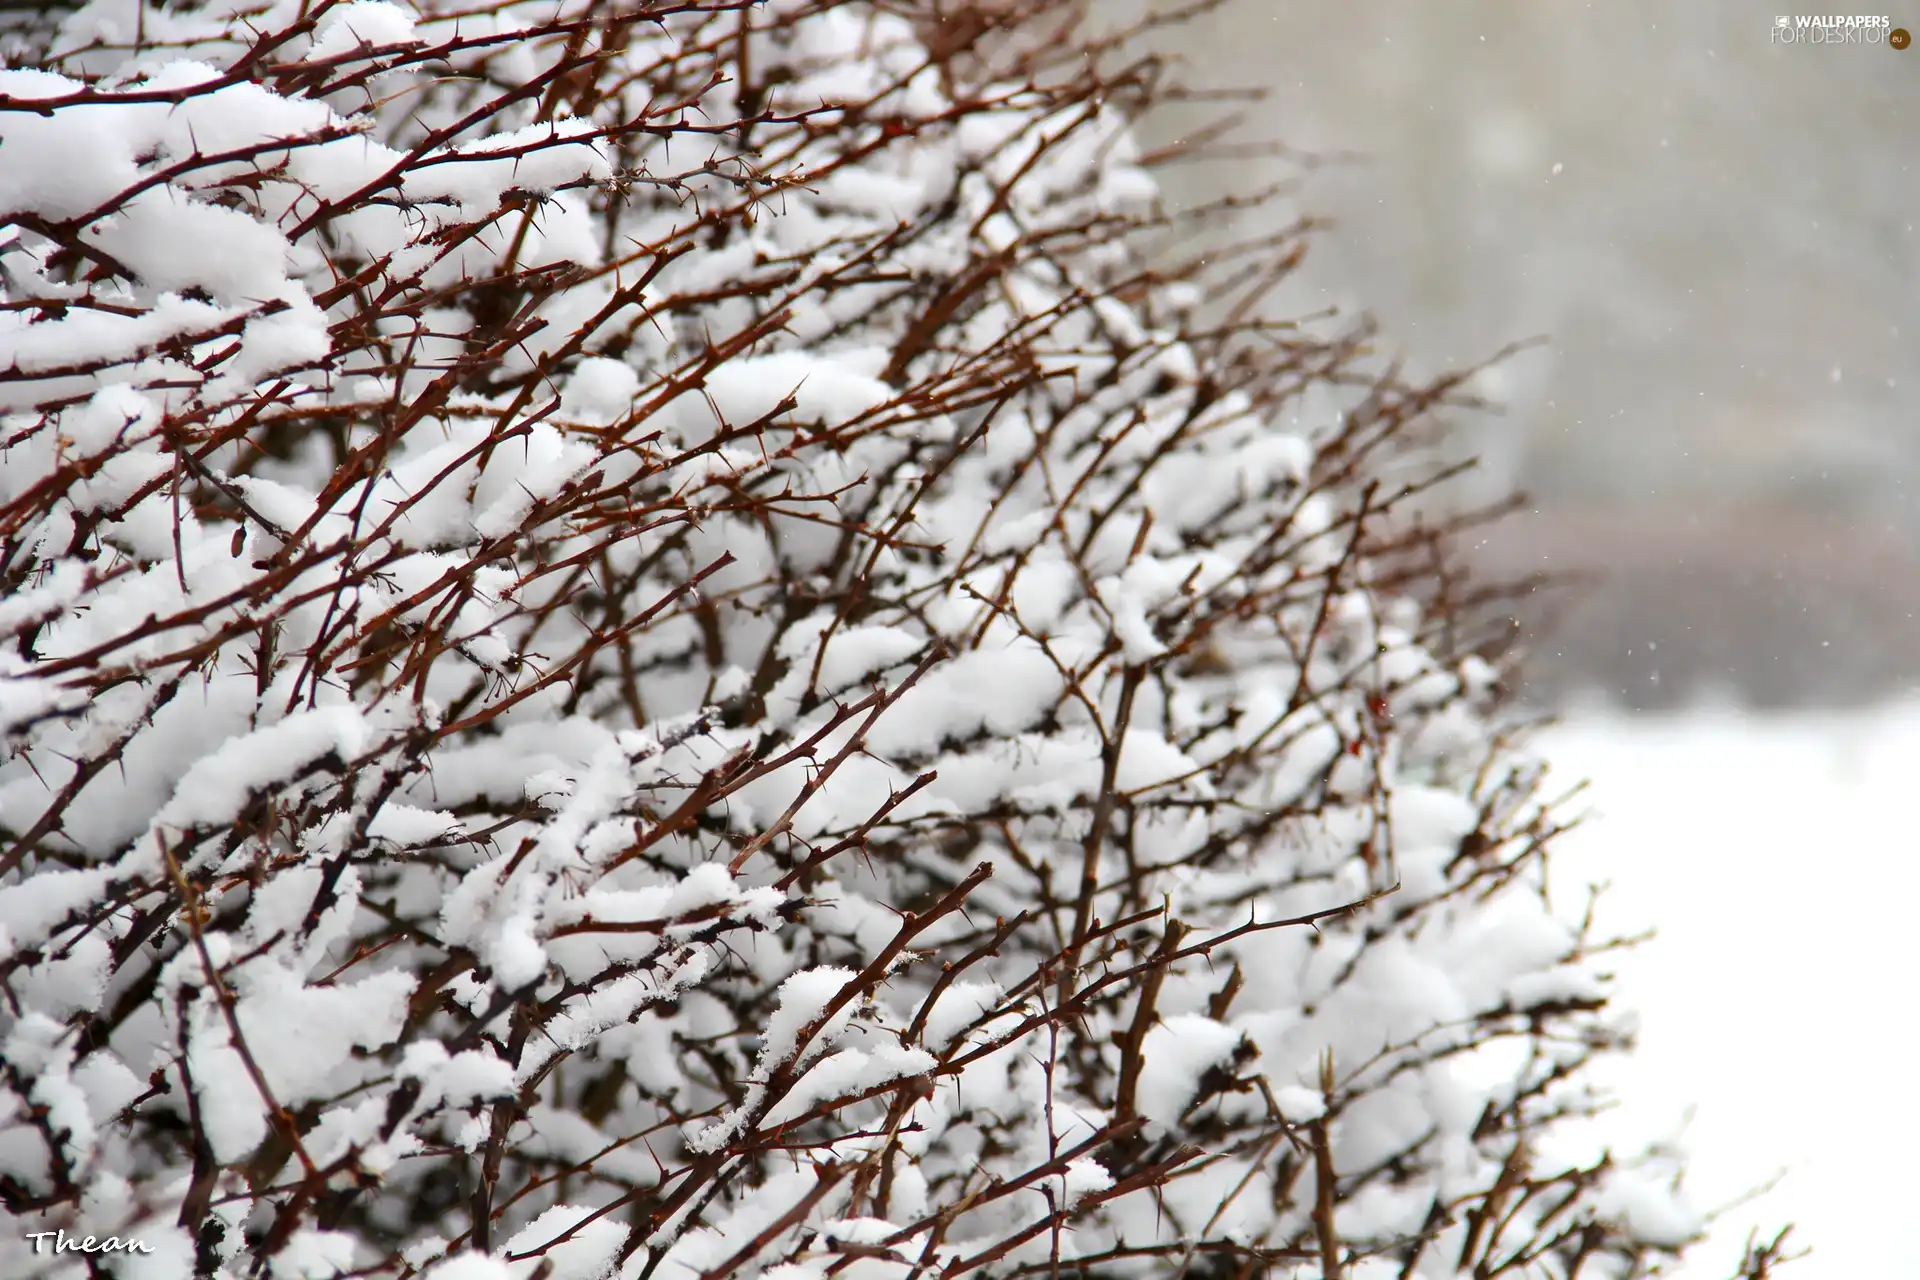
<point>1300,1105</point>
<point>362,24</point>
<point>1175,1055</point>
<point>803,1001</point>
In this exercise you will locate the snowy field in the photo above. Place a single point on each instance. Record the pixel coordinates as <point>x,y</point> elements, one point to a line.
<point>1777,860</point>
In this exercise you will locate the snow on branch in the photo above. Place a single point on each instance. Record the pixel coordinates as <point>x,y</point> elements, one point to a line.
<point>636,640</point>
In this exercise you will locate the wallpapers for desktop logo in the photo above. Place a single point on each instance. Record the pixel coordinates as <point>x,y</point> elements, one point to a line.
<point>1857,29</point>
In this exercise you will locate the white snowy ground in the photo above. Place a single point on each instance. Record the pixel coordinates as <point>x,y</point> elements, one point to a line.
<point>1778,860</point>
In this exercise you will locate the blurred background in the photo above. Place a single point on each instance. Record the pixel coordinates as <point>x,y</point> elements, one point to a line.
<point>1716,235</point>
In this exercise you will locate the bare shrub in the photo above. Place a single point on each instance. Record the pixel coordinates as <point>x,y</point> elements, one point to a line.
<point>634,644</point>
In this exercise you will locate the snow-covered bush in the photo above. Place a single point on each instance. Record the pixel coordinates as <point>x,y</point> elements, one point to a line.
<point>634,643</point>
